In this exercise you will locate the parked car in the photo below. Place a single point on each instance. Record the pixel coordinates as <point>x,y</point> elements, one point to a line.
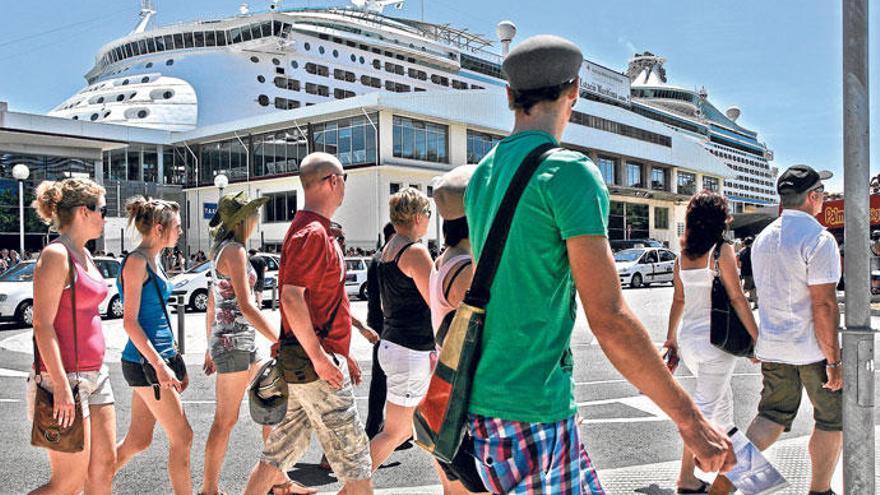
<point>17,291</point>
<point>356,276</point>
<point>191,286</point>
<point>621,244</point>
<point>644,266</point>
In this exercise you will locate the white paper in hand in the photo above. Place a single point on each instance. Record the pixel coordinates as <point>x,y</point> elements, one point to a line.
<point>753,473</point>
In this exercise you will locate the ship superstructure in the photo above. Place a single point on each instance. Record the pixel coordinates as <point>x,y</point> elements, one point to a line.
<point>193,74</point>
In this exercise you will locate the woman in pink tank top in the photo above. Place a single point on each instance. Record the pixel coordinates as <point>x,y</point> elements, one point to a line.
<point>450,279</point>
<point>76,209</point>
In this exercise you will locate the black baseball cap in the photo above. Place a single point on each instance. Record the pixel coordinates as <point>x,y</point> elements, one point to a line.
<point>800,178</point>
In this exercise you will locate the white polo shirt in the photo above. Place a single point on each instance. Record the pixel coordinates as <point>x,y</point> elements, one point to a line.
<point>791,254</point>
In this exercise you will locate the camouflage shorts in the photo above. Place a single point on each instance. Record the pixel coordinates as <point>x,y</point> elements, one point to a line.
<point>333,416</point>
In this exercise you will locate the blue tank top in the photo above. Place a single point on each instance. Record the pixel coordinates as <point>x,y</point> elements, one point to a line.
<point>151,316</point>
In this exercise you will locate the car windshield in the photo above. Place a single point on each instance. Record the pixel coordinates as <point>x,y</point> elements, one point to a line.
<point>628,254</point>
<point>353,265</point>
<point>23,272</point>
<point>200,268</point>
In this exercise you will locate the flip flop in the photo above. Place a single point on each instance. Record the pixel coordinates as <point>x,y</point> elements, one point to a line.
<point>703,488</point>
<point>291,487</point>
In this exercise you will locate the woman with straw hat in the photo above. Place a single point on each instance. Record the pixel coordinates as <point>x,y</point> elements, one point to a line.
<point>232,322</point>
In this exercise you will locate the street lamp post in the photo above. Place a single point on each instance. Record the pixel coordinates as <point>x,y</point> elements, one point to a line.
<point>220,182</point>
<point>21,173</point>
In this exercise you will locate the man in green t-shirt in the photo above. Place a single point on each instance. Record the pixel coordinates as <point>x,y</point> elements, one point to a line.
<point>522,409</point>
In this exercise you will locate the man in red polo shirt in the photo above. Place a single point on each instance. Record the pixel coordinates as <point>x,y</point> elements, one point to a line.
<point>316,327</point>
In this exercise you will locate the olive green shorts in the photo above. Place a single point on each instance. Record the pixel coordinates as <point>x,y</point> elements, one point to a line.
<point>781,395</point>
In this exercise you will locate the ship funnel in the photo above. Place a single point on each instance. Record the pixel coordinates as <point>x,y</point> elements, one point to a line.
<point>506,31</point>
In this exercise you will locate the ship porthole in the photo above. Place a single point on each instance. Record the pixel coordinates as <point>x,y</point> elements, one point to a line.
<point>255,59</point>
<point>263,100</point>
<point>261,79</point>
<point>142,114</point>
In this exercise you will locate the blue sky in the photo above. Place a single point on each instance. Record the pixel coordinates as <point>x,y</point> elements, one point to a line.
<point>779,61</point>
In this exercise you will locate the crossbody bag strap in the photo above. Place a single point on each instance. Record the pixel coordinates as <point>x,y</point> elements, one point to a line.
<point>161,300</point>
<point>716,254</point>
<point>72,272</point>
<point>487,266</point>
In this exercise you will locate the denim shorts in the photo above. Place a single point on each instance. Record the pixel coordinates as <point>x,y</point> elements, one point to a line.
<point>233,353</point>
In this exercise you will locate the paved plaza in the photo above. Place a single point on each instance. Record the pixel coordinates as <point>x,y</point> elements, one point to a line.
<point>634,445</point>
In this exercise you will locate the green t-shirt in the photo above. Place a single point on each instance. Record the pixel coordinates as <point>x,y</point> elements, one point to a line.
<point>524,372</point>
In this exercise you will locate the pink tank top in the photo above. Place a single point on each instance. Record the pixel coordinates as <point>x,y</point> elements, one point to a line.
<point>440,307</point>
<point>90,337</point>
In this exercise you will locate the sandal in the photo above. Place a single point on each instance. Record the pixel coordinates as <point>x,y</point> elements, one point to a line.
<point>703,488</point>
<point>291,487</point>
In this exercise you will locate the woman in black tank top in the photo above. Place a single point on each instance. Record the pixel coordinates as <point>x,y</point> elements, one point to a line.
<point>407,345</point>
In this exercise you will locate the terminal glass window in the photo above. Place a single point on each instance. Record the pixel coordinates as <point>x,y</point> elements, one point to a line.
<point>634,174</point>
<point>687,183</point>
<point>478,144</point>
<point>419,140</point>
<point>627,221</point>
<point>352,140</point>
<point>661,218</point>
<point>607,167</point>
<point>279,152</point>
<point>280,208</point>
<point>710,183</point>
<point>658,179</point>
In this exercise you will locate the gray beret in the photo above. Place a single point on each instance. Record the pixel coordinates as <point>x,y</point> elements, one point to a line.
<point>542,61</point>
<point>449,191</point>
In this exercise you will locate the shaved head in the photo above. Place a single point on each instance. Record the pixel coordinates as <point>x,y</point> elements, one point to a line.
<point>316,166</point>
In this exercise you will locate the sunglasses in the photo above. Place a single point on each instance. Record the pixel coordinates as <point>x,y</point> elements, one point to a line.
<point>344,177</point>
<point>102,210</point>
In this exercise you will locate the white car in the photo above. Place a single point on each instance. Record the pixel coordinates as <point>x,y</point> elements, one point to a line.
<point>642,267</point>
<point>191,286</point>
<point>356,276</point>
<point>17,291</point>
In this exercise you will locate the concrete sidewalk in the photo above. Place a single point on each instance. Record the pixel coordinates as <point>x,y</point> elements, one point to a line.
<point>789,456</point>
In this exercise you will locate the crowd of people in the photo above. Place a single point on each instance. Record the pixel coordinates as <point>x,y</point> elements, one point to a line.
<point>522,433</point>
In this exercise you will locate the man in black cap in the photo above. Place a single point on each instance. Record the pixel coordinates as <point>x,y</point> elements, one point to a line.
<point>796,266</point>
<point>523,417</point>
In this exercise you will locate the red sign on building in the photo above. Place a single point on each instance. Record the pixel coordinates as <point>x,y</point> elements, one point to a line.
<point>832,213</point>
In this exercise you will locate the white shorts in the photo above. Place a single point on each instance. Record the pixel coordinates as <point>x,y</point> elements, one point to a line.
<point>407,372</point>
<point>94,389</point>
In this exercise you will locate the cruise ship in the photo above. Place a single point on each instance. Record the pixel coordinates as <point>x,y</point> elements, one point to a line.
<point>195,74</point>
<point>754,179</point>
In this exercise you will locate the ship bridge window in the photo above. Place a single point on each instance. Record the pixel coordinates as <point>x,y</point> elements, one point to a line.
<point>210,38</point>
<point>246,33</point>
<point>235,35</point>
<point>221,38</point>
<point>178,40</point>
<point>255,31</point>
<point>276,28</point>
<point>168,42</point>
<point>188,41</point>
<point>266,28</point>
<point>142,46</point>
<point>151,45</point>
<point>128,52</point>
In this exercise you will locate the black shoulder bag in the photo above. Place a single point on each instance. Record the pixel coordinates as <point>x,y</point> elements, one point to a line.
<point>727,331</point>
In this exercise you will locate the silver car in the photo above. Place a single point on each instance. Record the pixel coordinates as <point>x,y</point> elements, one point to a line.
<point>642,267</point>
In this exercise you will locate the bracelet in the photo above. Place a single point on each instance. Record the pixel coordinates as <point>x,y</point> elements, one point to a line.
<point>835,364</point>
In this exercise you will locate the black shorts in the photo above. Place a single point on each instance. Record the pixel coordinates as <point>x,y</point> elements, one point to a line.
<point>464,467</point>
<point>134,372</point>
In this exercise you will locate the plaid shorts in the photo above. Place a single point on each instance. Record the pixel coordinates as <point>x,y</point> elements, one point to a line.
<point>532,458</point>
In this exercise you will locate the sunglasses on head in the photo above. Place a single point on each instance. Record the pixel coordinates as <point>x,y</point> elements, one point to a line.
<point>102,210</point>
<point>344,177</point>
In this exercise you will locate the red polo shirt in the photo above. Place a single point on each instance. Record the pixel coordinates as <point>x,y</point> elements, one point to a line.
<point>311,258</point>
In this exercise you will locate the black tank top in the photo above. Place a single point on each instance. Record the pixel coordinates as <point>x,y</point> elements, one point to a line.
<point>407,316</point>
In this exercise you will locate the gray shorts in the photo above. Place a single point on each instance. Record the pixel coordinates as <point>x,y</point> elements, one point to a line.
<point>333,416</point>
<point>233,353</point>
<point>94,389</point>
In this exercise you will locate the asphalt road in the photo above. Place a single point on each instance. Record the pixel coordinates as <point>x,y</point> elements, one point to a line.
<point>622,428</point>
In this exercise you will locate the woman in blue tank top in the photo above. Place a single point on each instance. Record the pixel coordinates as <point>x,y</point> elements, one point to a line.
<point>151,364</point>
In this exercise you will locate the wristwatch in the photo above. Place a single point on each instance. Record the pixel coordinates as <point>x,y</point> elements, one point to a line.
<point>835,364</point>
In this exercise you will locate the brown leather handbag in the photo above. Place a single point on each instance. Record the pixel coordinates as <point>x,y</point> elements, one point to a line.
<point>46,432</point>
